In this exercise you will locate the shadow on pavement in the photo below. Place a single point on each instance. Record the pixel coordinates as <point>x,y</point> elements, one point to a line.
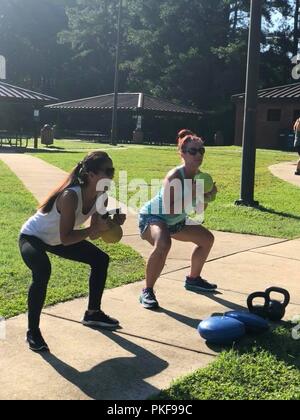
<point>190,322</point>
<point>120,378</point>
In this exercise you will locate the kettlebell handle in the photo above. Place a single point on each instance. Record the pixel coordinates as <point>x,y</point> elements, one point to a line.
<point>285,293</point>
<point>110,213</point>
<point>258,295</point>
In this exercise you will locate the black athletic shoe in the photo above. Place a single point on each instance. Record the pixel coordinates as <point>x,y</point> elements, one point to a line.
<point>148,299</point>
<point>297,173</point>
<point>99,319</point>
<point>36,342</point>
<point>199,285</point>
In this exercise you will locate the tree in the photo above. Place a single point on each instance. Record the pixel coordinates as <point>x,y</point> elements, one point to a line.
<point>28,39</point>
<point>91,35</point>
<point>191,51</point>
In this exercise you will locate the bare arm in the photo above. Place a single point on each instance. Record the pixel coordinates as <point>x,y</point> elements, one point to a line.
<point>67,205</point>
<point>297,126</point>
<point>173,197</point>
<point>98,223</point>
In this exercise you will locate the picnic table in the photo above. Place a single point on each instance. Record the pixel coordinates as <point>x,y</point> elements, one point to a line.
<point>14,139</point>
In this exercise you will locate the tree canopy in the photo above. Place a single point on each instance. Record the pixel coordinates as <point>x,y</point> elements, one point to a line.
<point>191,51</point>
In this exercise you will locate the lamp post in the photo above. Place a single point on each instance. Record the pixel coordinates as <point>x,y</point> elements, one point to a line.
<point>2,67</point>
<point>36,118</point>
<point>249,132</point>
<point>296,28</point>
<point>114,126</point>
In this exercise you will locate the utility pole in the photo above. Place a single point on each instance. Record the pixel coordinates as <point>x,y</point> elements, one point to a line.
<point>249,131</point>
<point>114,126</point>
<point>296,27</point>
<point>36,119</point>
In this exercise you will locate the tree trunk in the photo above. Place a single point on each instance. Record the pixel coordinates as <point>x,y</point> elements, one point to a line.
<point>235,16</point>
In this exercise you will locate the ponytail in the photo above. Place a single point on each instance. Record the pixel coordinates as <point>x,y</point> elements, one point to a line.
<point>183,133</point>
<point>78,177</point>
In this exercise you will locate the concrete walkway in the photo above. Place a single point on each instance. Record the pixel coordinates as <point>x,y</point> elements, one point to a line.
<point>286,172</point>
<point>152,348</point>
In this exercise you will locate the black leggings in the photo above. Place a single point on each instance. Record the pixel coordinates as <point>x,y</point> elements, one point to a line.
<point>33,252</point>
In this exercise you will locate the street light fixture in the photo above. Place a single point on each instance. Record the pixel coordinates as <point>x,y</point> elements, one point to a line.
<point>114,127</point>
<point>249,132</point>
<point>2,67</point>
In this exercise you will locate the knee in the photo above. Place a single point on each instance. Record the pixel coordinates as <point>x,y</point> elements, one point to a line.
<point>163,246</point>
<point>105,259</point>
<point>210,239</point>
<point>207,240</point>
<point>40,278</point>
<point>100,260</point>
<point>41,273</point>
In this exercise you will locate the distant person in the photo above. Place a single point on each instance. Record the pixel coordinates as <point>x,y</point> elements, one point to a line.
<point>54,130</point>
<point>219,138</point>
<point>158,227</point>
<point>297,143</point>
<point>56,229</point>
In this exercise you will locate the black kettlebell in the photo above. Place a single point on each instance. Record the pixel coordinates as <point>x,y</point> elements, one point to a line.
<point>259,310</point>
<point>277,309</point>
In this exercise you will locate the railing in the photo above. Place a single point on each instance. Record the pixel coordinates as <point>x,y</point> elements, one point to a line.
<point>87,135</point>
<point>18,140</point>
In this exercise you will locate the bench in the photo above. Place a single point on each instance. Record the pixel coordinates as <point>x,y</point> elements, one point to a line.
<point>87,135</point>
<point>94,136</point>
<point>14,139</point>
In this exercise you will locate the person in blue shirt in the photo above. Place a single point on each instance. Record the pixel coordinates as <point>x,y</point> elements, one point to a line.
<point>160,222</point>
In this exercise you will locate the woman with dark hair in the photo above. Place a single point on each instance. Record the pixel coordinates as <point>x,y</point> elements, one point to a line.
<point>56,228</point>
<point>297,143</point>
<point>160,221</point>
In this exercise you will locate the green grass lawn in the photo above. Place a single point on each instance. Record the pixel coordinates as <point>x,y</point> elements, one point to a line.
<point>69,280</point>
<point>259,368</point>
<point>278,214</point>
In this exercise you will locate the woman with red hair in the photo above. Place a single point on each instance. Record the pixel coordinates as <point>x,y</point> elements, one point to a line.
<point>160,221</point>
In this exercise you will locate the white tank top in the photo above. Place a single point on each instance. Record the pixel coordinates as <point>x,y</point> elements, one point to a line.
<point>47,226</point>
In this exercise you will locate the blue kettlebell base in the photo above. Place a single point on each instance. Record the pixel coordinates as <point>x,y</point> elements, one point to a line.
<point>221,330</point>
<point>252,322</point>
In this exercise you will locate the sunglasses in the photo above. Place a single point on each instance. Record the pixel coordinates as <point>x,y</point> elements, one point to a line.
<point>109,172</point>
<point>193,151</point>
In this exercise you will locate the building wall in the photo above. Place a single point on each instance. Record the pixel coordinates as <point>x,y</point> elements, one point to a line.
<point>267,132</point>
<point>16,117</point>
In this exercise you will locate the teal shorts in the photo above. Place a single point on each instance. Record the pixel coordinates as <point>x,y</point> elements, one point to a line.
<point>145,220</point>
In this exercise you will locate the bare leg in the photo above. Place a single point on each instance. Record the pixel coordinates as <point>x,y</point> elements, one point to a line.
<point>204,240</point>
<point>157,235</point>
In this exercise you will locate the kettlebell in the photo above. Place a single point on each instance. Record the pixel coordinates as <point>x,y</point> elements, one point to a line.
<point>277,309</point>
<point>259,310</point>
<point>115,233</point>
